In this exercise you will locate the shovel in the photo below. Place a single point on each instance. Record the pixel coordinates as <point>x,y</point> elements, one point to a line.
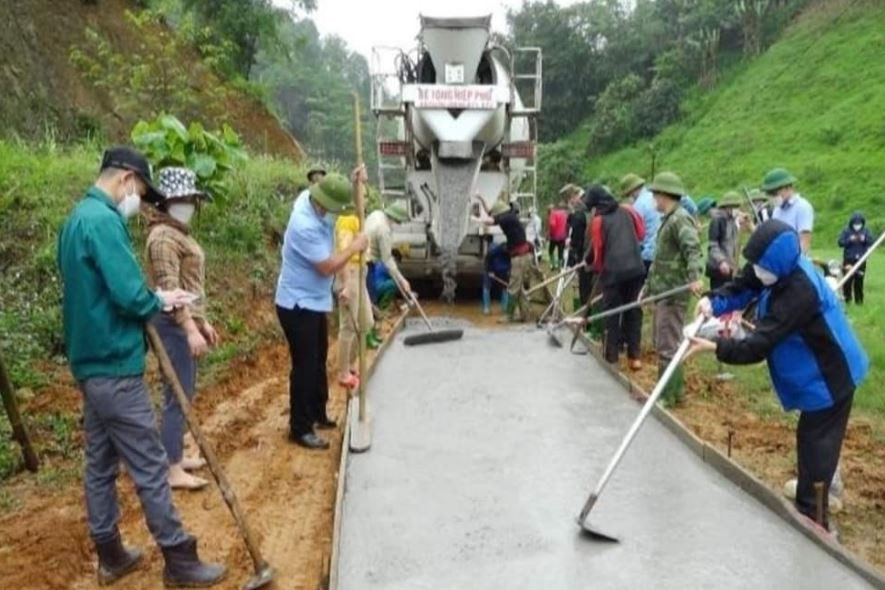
<point>263,572</point>
<point>593,533</point>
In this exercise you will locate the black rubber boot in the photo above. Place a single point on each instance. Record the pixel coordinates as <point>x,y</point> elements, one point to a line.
<point>115,560</point>
<point>185,570</point>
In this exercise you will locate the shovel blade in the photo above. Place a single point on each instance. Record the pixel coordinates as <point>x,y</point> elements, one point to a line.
<point>592,533</point>
<point>553,338</point>
<point>262,578</point>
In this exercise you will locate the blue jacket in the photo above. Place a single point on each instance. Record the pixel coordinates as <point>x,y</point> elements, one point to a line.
<point>813,355</point>
<point>498,261</point>
<point>853,250</point>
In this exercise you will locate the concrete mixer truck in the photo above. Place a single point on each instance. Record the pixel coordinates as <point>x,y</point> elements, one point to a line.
<point>456,125</point>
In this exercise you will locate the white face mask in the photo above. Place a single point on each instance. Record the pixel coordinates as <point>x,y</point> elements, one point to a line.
<point>129,204</point>
<point>857,227</point>
<point>182,212</point>
<point>330,218</point>
<point>766,277</point>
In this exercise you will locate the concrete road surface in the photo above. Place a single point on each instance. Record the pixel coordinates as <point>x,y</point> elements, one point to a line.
<point>484,451</point>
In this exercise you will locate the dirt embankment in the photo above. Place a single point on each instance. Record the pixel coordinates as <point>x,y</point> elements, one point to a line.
<point>44,92</point>
<point>287,492</point>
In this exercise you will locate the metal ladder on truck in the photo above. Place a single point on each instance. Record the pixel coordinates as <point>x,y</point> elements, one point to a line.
<point>526,185</point>
<point>392,142</point>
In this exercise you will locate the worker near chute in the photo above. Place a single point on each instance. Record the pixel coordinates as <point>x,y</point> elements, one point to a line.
<point>815,360</point>
<point>381,256</point>
<point>520,251</point>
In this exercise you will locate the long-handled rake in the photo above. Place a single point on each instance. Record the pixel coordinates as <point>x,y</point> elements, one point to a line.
<point>263,572</point>
<point>690,331</point>
<point>574,319</point>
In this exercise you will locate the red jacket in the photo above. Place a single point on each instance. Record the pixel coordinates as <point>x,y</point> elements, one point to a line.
<point>557,225</point>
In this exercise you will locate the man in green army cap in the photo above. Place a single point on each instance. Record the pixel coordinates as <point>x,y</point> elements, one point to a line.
<point>678,261</point>
<point>722,249</point>
<point>789,206</point>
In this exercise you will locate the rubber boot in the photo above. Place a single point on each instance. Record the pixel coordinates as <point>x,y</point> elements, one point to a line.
<point>185,570</point>
<point>115,560</point>
<point>672,394</point>
<point>508,314</point>
<point>505,301</point>
<point>486,301</point>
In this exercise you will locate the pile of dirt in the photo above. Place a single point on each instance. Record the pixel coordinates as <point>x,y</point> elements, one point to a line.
<point>44,92</point>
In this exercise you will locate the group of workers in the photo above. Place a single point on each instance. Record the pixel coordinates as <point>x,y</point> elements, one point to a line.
<point>648,242</point>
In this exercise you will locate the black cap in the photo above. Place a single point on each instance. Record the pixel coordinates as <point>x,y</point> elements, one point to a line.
<point>126,158</point>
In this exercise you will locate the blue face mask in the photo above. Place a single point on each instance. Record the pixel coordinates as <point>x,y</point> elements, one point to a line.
<point>330,218</point>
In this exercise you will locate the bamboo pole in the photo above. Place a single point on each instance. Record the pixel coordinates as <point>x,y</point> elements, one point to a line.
<point>19,432</point>
<point>361,433</point>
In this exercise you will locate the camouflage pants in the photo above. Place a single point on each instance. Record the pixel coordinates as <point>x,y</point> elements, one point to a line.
<point>669,319</point>
<point>520,267</point>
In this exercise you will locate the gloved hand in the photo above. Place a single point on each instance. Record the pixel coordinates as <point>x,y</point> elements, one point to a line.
<point>704,308</point>
<point>176,298</point>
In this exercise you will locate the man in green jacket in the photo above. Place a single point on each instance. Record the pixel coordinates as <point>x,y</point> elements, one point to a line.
<point>678,261</point>
<point>106,303</point>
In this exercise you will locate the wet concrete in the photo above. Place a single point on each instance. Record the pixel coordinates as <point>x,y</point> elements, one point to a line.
<point>483,453</point>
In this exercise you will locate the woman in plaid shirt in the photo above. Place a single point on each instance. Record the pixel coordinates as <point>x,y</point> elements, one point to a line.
<point>175,261</point>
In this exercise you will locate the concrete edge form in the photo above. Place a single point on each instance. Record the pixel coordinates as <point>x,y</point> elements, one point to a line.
<point>738,475</point>
<point>332,583</point>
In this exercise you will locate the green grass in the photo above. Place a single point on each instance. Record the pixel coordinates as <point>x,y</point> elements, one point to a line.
<point>814,103</point>
<point>39,184</point>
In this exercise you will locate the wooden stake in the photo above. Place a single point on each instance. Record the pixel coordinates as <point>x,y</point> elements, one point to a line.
<point>19,432</point>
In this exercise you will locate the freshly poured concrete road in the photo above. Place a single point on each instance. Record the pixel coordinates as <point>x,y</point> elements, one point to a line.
<point>483,453</point>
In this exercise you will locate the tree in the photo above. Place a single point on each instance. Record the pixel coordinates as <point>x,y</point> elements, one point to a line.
<point>244,26</point>
<point>751,14</point>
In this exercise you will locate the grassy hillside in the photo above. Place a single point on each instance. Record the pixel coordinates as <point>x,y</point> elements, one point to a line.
<point>814,103</point>
<point>44,93</point>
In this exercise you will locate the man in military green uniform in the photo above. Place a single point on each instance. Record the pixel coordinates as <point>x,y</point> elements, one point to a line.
<point>678,261</point>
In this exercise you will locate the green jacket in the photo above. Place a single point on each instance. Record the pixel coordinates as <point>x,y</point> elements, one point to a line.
<point>105,299</point>
<point>678,258</point>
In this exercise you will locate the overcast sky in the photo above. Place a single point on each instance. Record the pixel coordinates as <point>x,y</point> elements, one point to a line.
<point>366,23</point>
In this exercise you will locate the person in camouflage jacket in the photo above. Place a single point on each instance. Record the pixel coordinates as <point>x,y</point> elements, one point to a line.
<point>678,261</point>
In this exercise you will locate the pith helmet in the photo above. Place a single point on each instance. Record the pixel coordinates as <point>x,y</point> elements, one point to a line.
<point>758,196</point>
<point>731,199</point>
<point>333,193</point>
<point>667,183</point>
<point>705,204</point>
<point>630,183</point>
<point>776,179</point>
<point>499,207</point>
<point>397,213</point>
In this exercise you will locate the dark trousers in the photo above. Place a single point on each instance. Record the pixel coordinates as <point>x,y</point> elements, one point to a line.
<point>307,334</point>
<point>557,246</point>
<point>175,340</point>
<point>818,444</point>
<point>854,287</point>
<point>585,285</point>
<point>627,324</point>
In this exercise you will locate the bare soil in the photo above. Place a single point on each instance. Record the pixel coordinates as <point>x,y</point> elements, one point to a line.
<point>287,492</point>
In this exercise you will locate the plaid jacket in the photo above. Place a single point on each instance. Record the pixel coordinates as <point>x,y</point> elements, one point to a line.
<point>176,261</point>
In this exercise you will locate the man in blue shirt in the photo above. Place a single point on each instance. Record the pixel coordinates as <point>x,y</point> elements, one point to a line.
<point>633,188</point>
<point>790,207</point>
<point>304,297</point>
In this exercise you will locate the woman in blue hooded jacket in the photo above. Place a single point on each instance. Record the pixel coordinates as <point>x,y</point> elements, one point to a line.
<point>814,358</point>
<point>855,240</point>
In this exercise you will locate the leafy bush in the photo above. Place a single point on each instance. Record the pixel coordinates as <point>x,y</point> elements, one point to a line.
<point>167,142</point>
<point>615,117</point>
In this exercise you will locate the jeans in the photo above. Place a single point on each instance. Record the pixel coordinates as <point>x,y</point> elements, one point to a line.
<point>175,341</point>
<point>307,334</point>
<point>119,424</point>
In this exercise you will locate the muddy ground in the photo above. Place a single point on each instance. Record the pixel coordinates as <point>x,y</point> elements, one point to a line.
<point>289,493</point>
